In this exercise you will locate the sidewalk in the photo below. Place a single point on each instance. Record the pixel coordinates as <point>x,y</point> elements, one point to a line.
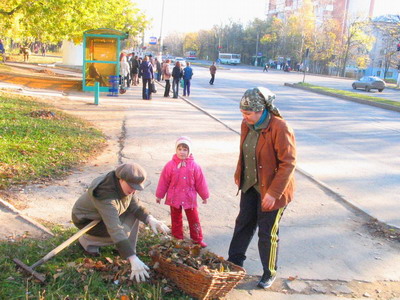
<point>145,131</point>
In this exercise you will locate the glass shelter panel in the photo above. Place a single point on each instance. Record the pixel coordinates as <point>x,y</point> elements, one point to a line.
<point>103,49</point>
<point>100,72</point>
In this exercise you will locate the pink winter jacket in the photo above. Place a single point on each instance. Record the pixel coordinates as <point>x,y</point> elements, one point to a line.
<point>182,184</point>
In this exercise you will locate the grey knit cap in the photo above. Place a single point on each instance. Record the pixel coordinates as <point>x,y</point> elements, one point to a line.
<point>257,99</point>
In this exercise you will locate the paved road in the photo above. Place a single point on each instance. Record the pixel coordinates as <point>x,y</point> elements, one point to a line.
<point>349,146</point>
<point>344,84</point>
<point>332,82</point>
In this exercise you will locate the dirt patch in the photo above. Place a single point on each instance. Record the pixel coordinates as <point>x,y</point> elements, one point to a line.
<point>45,71</point>
<point>381,230</point>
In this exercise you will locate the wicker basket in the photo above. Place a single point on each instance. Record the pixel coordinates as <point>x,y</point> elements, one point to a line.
<point>196,283</point>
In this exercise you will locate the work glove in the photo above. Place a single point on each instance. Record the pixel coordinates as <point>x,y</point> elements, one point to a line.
<point>139,269</point>
<point>157,226</point>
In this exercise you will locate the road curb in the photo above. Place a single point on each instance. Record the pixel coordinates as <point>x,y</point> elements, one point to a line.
<point>27,219</point>
<point>353,99</point>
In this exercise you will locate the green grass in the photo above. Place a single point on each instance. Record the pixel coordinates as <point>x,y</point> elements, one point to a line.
<point>350,94</point>
<point>66,279</point>
<point>33,148</point>
<point>35,59</point>
<point>38,142</point>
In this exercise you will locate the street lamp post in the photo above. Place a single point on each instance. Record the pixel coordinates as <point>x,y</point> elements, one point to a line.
<point>160,41</point>
<point>258,37</point>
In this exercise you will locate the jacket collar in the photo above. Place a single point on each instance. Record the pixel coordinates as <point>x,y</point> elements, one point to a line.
<point>176,159</point>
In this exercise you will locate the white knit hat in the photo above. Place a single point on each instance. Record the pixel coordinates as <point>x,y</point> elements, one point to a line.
<point>186,141</point>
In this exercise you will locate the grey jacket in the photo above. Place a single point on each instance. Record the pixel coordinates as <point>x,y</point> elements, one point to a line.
<point>104,200</point>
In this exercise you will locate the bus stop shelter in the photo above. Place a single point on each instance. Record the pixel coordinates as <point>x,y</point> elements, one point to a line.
<point>101,48</point>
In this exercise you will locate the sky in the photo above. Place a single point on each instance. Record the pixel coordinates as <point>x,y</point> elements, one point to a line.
<point>383,7</point>
<point>193,15</point>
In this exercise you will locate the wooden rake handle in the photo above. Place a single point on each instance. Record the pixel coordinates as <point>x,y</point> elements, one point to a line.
<point>66,243</point>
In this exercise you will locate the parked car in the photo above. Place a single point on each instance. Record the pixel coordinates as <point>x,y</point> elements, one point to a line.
<point>368,83</point>
<point>182,61</point>
<point>171,58</point>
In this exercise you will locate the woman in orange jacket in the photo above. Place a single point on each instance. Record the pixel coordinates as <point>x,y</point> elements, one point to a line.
<point>265,176</point>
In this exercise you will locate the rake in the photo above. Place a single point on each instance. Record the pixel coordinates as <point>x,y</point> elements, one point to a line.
<point>54,252</point>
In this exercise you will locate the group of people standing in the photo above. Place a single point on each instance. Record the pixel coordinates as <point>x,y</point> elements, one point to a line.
<point>264,175</point>
<point>132,68</point>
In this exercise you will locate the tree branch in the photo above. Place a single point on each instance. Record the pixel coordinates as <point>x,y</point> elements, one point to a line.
<point>11,12</point>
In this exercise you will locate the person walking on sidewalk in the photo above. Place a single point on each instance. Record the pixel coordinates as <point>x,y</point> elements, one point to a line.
<point>157,64</point>
<point>147,74</point>
<point>167,75</point>
<point>176,77</point>
<point>266,67</point>
<point>187,76</point>
<point>112,199</point>
<point>135,69</point>
<point>181,179</point>
<point>213,70</point>
<point>265,176</point>
<point>124,71</point>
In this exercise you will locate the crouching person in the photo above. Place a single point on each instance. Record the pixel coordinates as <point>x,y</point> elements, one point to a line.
<point>112,199</point>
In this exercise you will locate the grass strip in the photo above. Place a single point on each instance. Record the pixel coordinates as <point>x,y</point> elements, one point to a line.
<point>39,142</point>
<point>349,94</point>
<point>68,276</point>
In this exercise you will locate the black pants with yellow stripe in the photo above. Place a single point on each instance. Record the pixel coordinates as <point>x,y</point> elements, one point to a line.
<point>250,216</point>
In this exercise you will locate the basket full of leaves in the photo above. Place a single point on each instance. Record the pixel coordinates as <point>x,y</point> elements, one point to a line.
<point>198,272</point>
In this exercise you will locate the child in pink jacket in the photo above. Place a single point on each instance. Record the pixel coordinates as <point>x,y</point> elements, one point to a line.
<point>181,180</point>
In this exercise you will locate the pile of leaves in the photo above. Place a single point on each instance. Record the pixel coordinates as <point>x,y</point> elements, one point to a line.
<point>184,252</point>
<point>46,71</point>
<point>43,114</point>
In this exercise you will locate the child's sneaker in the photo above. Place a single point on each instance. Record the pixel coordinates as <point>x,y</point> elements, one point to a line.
<point>202,244</point>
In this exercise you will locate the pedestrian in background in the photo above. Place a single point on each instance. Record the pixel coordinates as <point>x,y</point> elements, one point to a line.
<point>2,51</point>
<point>187,76</point>
<point>181,180</point>
<point>147,74</point>
<point>140,60</point>
<point>167,75</point>
<point>158,69</point>
<point>213,70</point>
<point>265,176</point>
<point>135,69</point>
<point>124,71</point>
<point>176,77</point>
<point>44,49</point>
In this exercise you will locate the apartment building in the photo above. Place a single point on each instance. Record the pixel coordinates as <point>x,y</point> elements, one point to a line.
<point>346,11</point>
<point>342,10</point>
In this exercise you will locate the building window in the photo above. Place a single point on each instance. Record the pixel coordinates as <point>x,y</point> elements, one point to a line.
<point>380,64</point>
<point>389,74</point>
<point>329,8</point>
<point>378,73</point>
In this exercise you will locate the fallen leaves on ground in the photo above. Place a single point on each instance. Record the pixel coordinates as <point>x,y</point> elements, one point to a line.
<point>111,270</point>
<point>43,114</point>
